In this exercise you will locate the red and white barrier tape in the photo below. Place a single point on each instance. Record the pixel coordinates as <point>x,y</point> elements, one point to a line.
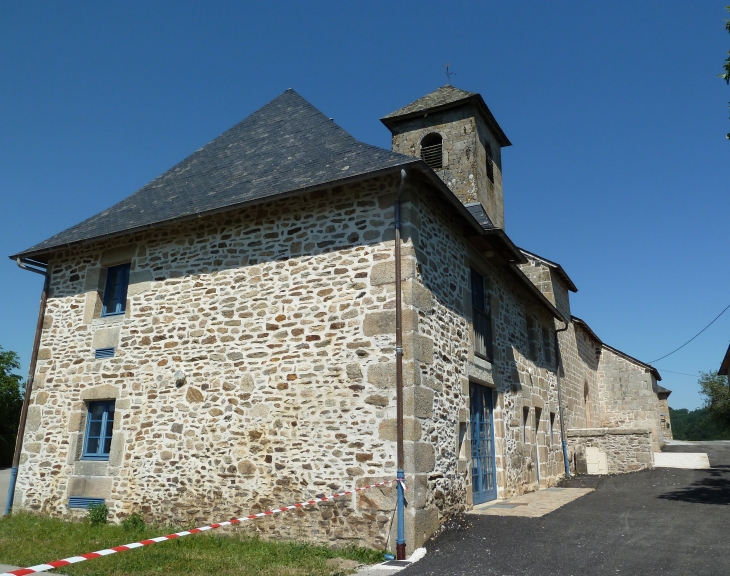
<point>133,545</point>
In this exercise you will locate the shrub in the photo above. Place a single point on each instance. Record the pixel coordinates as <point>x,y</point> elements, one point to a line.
<point>133,522</point>
<point>97,514</point>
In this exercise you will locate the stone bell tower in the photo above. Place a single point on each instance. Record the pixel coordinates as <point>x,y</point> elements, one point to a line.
<point>454,132</point>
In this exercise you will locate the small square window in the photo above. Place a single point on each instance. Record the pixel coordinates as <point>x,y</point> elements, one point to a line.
<point>99,425</point>
<point>115,290</point>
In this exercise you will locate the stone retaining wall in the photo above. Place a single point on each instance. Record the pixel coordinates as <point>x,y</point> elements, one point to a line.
<point>627,449</point>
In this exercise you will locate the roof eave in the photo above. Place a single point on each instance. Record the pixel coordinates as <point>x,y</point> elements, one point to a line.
<point>648,367</point>
<point>508,250</point>
<point>188,217</point>
<point>586,328</point>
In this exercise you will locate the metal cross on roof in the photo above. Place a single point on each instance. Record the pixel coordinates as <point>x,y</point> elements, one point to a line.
<point>449,74</point>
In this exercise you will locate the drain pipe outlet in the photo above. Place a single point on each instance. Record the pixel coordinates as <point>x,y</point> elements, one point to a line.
<point>38,268</point>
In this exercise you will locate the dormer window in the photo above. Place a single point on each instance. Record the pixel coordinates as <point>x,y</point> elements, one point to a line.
<point>432,151</point>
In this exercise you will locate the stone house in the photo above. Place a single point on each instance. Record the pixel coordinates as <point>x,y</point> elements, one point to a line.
<point>222,341</point>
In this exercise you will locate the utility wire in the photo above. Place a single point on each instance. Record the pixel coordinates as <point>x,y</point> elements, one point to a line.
<point>693,337</point>
<point>681,373</point>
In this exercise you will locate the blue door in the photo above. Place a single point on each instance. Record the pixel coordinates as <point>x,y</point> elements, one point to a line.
<point>483,473</point>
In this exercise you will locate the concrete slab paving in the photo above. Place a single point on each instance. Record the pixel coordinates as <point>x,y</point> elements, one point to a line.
<point>688,461</point>
<point>532,505</point>
<point>387,568</point>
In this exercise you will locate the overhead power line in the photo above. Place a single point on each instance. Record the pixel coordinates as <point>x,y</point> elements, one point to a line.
<point>693,337</point>
<point>681,373</point>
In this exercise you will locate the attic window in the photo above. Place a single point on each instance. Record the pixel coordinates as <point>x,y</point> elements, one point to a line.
<point>432,151</point>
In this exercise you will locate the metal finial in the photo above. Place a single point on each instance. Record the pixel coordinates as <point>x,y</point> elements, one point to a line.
<point>449,74</point>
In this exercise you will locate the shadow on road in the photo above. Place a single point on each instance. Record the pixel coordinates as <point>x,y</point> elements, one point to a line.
<point>714,489</point>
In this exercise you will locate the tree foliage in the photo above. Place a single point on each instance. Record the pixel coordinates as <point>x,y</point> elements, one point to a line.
<point>696,425</point>
<point>11,392</point>
<point>717,396</point>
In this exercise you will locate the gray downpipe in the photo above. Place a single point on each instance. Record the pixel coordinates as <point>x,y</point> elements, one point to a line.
<point>400,542</point>
<point>560,401</point>
<point>31,266</point>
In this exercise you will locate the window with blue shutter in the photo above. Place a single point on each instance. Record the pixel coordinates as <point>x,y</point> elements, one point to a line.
<point>99,425</point>
<point>115,290</point>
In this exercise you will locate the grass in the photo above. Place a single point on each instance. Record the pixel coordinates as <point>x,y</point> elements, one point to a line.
<point>26,540</point>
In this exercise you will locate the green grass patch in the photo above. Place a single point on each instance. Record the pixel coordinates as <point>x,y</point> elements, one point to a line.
<point>26,540</point>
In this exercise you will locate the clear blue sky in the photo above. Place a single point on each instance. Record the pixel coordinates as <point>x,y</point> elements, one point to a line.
<point>618,169</point>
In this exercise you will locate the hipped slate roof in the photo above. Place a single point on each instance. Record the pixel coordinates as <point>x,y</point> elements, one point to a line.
<point>445,95</point>
<point>480,214</point>
<point>286,146</point>
<point>441,99</point>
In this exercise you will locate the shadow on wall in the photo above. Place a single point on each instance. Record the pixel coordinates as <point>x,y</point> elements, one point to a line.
<point>712,490</point>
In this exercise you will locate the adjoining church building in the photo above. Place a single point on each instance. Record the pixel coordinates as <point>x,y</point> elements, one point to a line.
<point>222,341</point>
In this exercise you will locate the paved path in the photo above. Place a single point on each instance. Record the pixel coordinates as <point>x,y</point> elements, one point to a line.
<point>4,481</point>
<point>698,461</point>
<point>665,521</point>
<point>532,505</point>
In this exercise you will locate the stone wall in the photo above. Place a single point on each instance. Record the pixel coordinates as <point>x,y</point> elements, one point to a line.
<point>518,382</point>
<point>281,317</point>
<point>628,395</point>
<point>600,386</point>
<point>579,351</point>
<point>627,449</point>
<point>665,422</point>
<point>465,140</point>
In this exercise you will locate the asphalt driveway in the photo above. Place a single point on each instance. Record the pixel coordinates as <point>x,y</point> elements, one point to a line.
<point>661,521</point>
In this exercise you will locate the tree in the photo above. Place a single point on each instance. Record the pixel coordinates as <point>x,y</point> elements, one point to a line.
<point>717,396</point>
<point>11,392</point>
<point>726,75</point>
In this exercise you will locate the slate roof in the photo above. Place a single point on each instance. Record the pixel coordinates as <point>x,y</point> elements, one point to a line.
<point>442,98</point>
<point>662,390</point>
<point>286,146</point>
<point>480,215</point>
<point>445,95</point>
